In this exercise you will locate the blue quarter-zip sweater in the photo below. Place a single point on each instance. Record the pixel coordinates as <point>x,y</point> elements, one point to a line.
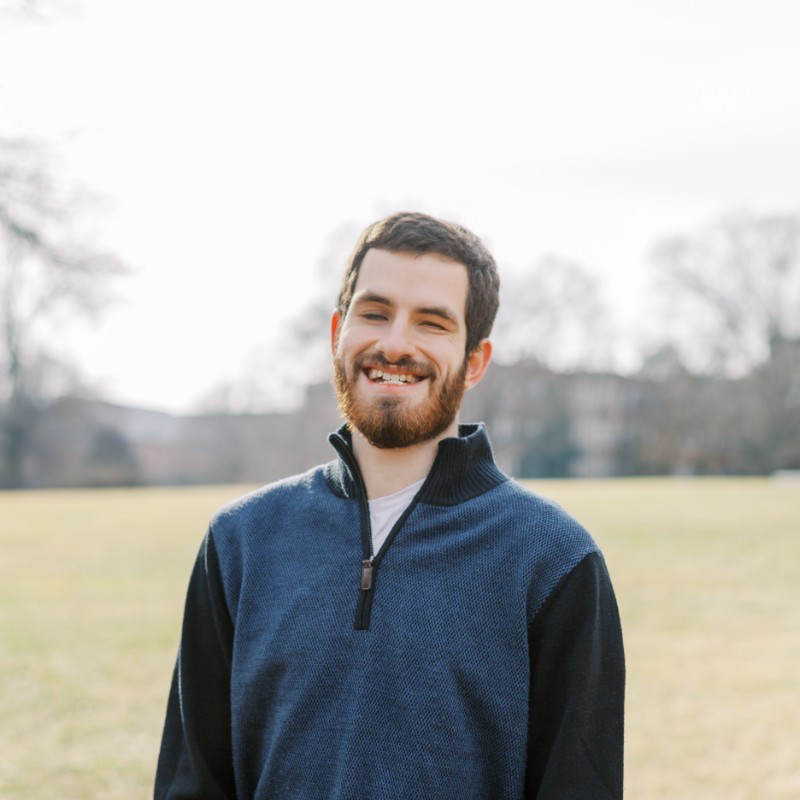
<point>478,655</point>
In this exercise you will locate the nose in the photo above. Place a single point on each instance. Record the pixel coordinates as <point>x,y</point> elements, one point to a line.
<point>395,342</point>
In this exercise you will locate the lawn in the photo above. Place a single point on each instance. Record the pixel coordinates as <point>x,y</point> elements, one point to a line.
<point>707,574</point>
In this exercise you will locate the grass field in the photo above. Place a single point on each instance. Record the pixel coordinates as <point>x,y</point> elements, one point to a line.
<point>707,574</point>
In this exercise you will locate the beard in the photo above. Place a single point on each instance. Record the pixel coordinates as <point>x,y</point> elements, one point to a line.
<point>387,422</point>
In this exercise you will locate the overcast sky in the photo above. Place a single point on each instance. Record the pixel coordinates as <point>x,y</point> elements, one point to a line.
<point>232,139</point>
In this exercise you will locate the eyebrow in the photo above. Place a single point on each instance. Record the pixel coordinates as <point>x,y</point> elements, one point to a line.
<point>373,298</point>
<point>440,311</point>
<point>435,311</point>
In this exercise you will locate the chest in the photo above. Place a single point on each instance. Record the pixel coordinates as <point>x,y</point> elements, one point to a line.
<point>446,593</point>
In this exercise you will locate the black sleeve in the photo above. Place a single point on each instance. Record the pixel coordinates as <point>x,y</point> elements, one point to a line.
<point>195,759</point>
<point>575,728</point>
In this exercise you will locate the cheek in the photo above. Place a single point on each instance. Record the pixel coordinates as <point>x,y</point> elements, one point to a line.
<point>349,347</point>
<point>450,359</point>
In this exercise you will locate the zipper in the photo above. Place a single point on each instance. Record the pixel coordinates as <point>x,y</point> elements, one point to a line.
<point>368,567</point>
<point>371,561</point>
<point>364,607</point>
<point>366,574</point>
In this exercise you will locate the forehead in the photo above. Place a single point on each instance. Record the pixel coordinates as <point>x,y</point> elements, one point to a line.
<point>414,280</point>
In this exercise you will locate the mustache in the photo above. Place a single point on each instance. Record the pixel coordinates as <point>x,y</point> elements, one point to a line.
<point>406,363</point>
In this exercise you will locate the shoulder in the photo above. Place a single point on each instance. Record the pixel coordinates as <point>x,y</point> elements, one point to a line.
<point>255,528</point>
<point>538,518</point>
<point>256,511</point>
<point>549,543</point>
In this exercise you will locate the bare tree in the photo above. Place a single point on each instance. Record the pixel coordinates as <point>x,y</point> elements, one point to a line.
<point>732,290</point>
<point>49,273</point>
<point>553,313</point>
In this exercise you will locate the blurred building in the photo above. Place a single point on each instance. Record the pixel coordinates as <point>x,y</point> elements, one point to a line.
<point>663,420</point>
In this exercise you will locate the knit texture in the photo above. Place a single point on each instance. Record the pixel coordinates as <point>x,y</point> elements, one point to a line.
<point>433,699</point>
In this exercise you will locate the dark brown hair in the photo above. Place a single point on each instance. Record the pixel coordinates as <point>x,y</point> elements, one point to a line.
<point>419,234</point>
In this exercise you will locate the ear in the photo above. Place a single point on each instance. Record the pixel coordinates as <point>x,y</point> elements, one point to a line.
<point>477,361</point>
<point>336,321</point>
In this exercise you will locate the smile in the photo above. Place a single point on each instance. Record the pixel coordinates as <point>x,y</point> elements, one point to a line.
<point>398,378</point>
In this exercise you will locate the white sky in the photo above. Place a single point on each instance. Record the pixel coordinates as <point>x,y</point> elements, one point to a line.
<point>233,138</point>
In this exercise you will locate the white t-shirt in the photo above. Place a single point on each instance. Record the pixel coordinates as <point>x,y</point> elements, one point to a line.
<point>385,511</point>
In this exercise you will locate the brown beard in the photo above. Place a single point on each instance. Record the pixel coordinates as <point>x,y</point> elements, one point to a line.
<point>385,423</point>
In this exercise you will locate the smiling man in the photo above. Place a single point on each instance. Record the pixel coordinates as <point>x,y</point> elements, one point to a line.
<point>406,338</point>
<point>405,621</point>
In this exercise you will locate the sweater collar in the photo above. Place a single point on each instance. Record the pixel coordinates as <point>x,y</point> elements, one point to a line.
<point>463,468</point>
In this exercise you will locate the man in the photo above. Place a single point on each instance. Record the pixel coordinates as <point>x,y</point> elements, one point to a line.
<point>405,621</point>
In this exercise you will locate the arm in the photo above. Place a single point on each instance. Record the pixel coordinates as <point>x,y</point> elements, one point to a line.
<point>575,728</point>
<point>195,759</point>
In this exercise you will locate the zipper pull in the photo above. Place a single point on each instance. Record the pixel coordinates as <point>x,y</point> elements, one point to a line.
<point>366,574</point>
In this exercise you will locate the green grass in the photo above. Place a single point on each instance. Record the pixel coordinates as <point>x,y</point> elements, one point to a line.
<point>707,574</point>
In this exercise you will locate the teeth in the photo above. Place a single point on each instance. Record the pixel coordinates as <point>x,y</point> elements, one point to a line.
<point>391,377</point>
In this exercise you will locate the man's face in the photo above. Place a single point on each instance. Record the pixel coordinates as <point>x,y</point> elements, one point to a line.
<point>400,368</point>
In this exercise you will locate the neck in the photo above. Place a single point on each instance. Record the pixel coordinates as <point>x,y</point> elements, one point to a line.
<point>386,471</point>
